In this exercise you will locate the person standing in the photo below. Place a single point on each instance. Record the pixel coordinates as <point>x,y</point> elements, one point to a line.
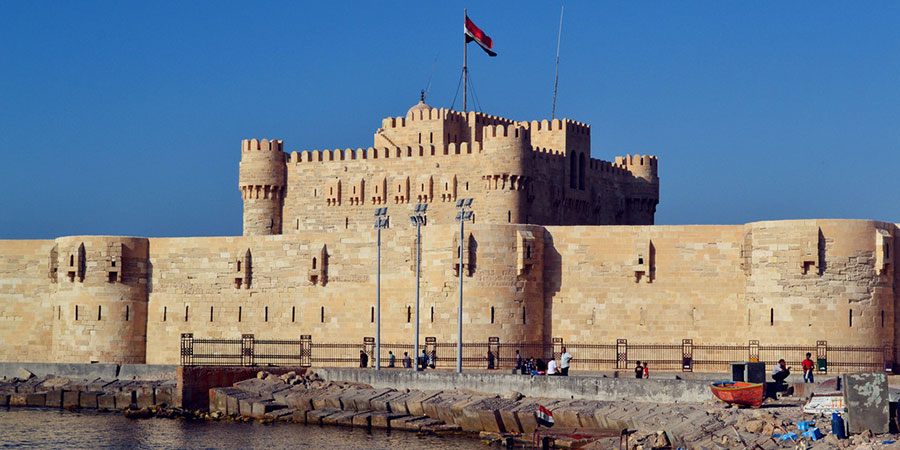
<point>808,366</point>
<point>639,370</point>
<point>423,361</point>
<point>392,360</point>
<point>363,359</point>
<point>564,359</point>
<point>407,361</point>
<point>490,360</point>
<point>519,361</point>
<point>646,370</point>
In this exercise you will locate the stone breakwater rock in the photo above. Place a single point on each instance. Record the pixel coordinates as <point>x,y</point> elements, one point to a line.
<point>357,405</point>
<point>58,392</point>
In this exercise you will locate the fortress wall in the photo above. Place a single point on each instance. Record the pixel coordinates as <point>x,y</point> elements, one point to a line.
<point>805,279</point>
<point>655,284</point>
<point>283,301</point>
<point>784,282</point>
<point>102,316</point>
<point>312,202</point>
<point>26,311</point>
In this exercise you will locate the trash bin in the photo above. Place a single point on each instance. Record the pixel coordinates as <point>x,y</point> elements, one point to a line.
<point>738,370</point>
<point>822,365</point>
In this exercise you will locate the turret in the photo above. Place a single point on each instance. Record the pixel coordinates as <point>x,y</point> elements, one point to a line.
<point>507,149</point>
<point>642,191</point>
<point>99,299</point>
<point>640,166</point>
<point>262,184</point>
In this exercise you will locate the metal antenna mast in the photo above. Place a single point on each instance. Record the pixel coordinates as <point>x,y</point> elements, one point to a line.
<point>556,81</point>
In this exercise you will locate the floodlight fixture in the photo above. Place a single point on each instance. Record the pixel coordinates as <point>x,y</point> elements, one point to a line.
<point>468,203</point>
<point>459,203</point>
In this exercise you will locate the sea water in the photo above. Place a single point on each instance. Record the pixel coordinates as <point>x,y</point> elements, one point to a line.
<point>61,429</point>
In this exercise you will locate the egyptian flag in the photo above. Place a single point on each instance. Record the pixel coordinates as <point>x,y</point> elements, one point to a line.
<point>474,33</point>
<point>545,417</point>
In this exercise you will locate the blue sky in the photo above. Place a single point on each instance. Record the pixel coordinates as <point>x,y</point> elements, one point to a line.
<point>126,117</point>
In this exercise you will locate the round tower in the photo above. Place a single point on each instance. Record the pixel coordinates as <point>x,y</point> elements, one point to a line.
<point>507,149</point>
<point>100,300</point>
<point>262,184</point>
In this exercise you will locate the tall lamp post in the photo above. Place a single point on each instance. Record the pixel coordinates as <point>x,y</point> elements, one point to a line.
<point>418,219</point>
<point>381,221</point>
<point>462,216</point>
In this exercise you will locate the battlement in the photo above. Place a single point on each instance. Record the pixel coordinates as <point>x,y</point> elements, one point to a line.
<point>272,145</point>
<point>350,154</point>
<point>446,115</point>
<point>506,131</point>
<point>640,165</point>
<point>567,125</point>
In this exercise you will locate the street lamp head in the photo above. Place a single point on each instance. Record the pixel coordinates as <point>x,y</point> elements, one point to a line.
<point>380,211</point>
<point>460,202</point>
<point>421,208</point>
<point>413,220</point>
<point>468,202</point>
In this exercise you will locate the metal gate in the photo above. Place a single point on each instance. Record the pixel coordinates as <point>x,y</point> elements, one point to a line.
<point>621,353</point>
<point>247,350</point>
<point>305,350</point>
<point>187,349</point>
<point>369,348</point>
<point>687,355</point>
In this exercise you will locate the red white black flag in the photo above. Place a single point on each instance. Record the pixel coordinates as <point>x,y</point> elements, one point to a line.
<point>474,33</point>
<point>545,417</point>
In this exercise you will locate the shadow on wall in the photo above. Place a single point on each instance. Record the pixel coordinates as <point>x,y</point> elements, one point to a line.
<point>823,263</point>
<point>552,282</point>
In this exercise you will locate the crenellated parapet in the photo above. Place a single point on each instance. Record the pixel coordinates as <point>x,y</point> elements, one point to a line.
<point>643,166</point>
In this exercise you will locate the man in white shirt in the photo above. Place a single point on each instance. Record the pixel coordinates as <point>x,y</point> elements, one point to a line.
<point>551,367</point>
<point>564,359</point>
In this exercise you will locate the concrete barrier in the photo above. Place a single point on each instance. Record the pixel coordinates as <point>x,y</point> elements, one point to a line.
<point>82,371</point>
<point>572,387</point>
<point>139,371</point>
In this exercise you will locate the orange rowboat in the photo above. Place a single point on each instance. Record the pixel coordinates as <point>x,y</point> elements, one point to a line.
<point>739,393</point>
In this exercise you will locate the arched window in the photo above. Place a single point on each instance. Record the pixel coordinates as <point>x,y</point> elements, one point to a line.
<point>581,171</point>
<point>573,172</point>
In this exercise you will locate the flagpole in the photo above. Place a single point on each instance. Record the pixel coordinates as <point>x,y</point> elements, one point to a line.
<point>465,68</point>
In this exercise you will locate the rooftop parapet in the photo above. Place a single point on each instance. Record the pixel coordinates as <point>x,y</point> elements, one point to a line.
<point>643,166</point>
<point>567,125</point>
<point>382,153</point>
<point>263,145</point>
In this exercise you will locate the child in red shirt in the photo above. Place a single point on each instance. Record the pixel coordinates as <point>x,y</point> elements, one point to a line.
<point>808,369</point>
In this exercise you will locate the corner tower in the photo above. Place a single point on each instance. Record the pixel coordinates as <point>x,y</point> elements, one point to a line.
<point>262,184</point>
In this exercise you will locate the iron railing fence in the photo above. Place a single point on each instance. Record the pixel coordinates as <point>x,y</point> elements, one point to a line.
<point>688,357</point>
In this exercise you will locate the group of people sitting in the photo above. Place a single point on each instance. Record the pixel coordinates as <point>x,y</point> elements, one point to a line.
<point>532,366</point>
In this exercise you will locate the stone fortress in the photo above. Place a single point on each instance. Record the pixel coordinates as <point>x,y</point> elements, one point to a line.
<point>562,246</point>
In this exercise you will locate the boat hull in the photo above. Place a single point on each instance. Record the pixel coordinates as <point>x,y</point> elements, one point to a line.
<point>739,393</point>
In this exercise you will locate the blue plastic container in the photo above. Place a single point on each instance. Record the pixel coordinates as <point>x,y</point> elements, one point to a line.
<point>837,426</point>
